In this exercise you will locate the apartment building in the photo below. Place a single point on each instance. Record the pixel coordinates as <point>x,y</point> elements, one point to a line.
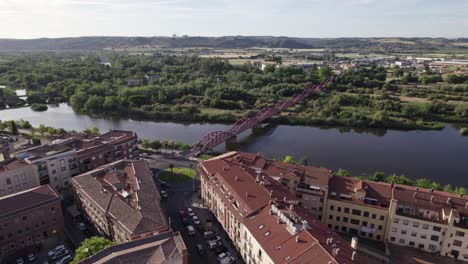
<point>264,219</point>
<point>29,217</point>
<point>358,207</point>
<point>55,164</point>
<point>121,200</point>
<point>93,151</point>
<point>309,184</point>
<point>166,247</point>
<point>429,220</point>
<point>16,175</point>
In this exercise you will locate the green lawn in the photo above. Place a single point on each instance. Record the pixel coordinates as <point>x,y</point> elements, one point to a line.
<point>179,175</point>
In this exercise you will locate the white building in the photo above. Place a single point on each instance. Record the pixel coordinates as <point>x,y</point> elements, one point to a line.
<point>56,164</point>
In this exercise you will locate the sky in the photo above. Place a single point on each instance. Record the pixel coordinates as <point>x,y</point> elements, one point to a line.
<point>295,18</point>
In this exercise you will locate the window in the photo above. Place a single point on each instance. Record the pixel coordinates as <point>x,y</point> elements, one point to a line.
<point>432,247</point>
<point>413,233</point>
<point>354,221</point>
<point>405,222</point>
<point>421,245</point>
<point>437,228</point>
<point>338,218</point>
<point>411,243</point>
<point>332,207</point>
<point>366,214</point>
<point>392,239</point>
<point>460,234</point>
<point>394,229</point>
<point>401,241</point>
<point>374,216</point>
<point>380,227</point>
<point>336,228</point>
<point>396,220</point>
<point>434,238</point>
<point>425,226</point>
<point>404,232</point>
<point>330,217</point>
<point>364,223</point>
<point>356,212</point>
<point>457,243</point>
<point>8,181</point>
<point>415,224</point>
<point>345,219</point>
<point>343,228</point>
<point>423,236</point>
<point>382,218</point>
<point>378,237</point>
<point>329,226</point>
<point>346,210</point>
<point>339,209</point>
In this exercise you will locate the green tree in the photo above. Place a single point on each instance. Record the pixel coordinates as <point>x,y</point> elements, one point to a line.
<point>289,159</point>
<point>89,247</point>
<point>13,128</point>
<point>342,172</point>
<point>461,110</point>
<point>399,179</point>
<point>303,161</point>
<point>92,131</point>
<point>42,129</point>
<point>448,188</point>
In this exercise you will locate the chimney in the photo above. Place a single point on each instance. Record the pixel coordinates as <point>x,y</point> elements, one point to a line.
<point>449,201</point>
<point>432,198</point>
<point>354,243</point>
<point>291,207</point>
<point>271,194</point>
<point>279,221</point>
<point>237,178</point>
<point>284,199</point>
<point>257,180</point>
<point>337,250</point>
<point>297,239</point>
<point>246,194</point>
<point>353,256</point>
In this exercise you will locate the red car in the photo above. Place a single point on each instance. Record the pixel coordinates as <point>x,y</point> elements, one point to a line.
<point>183,217</point>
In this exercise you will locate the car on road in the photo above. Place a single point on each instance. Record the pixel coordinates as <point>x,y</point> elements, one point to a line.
<point>214,244</point>
<point>221,249</point>
<point>196,220</point>
<point>190,211</point>
<point>65,259</point>
<point>208,234</point>
<point>223,256</point>
<point>19,260</point>
<point>55,250</point>
<point>164,194</point>
<point>81,226</point>
<point>60,254</point>
<point>214,238</point>
<point>31,257</point>
<point>191,230</point>
<point>200,249</point>
<point>227,260</point>
<point>184,218</point>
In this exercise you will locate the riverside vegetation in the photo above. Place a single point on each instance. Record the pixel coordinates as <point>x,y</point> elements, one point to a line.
<point>190,88</point>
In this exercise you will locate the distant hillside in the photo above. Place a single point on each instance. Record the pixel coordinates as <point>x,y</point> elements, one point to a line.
<point>98,43</point>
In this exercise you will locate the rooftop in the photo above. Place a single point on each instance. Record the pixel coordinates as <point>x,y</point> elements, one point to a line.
<point>12,164</point>
<point>127,190</point>
<point>166,247</point>
<point>98,143</point>
<point>42,151</point>
<point>271,213</point>
<point>26,200</point>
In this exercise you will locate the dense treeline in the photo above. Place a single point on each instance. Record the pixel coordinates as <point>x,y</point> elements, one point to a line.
<point>190,88</point>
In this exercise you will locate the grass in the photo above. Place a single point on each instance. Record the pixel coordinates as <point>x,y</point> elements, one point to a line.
<point>179,175</point>
<point>205,157</point>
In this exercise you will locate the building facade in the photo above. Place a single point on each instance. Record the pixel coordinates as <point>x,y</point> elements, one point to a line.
<point>93,151</point>
<point>55,164</point>
<point>121,200</point>
<point>16,176</point>
<point>29,217</point>
<point>264,219</point>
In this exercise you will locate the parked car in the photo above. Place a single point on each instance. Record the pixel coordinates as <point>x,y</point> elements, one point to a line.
<point>214,244</point>
<point>208,234</point>
<point>60,254</point>
<point>200,249</point>
<point>19,260</point>
<point>190,211</point>
<point>214,238</point>
<point>191,230</point>
<point>31,257</point>
<point>65,259</point>
<point>55,250</point>
<point>196,220</point>
<point>81,226</point>
<point>223,256</point>
<point>221,249</point>
<point>164,194</point>
<point>227,260</point>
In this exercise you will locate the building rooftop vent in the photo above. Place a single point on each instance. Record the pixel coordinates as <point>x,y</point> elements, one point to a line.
<point>260,226</point>
<point>267,233</point>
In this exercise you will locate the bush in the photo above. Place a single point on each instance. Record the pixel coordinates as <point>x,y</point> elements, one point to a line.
<point>39,107</point>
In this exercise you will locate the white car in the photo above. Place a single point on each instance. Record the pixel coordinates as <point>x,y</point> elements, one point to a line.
<point>191,230</point>
<point>190,211</point>
<point>215,238</point>
<point>214,244</point>
<point>196,220</point>
<point>19,260</point>
<point>31,257</point>
<point>223,256</point>
<point>227,260</point>
<point>163,194</point>
<point>65,259</point>
<point>82,226</point>
<point>55,250</point>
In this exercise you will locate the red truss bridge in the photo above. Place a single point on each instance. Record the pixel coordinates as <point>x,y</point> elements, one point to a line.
<point>215,138</point>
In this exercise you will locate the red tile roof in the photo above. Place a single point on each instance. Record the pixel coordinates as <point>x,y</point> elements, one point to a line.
<point>27,200</point>
<point>13,164</point>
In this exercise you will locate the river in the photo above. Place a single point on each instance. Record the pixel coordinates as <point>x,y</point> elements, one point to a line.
<point>438,155</point>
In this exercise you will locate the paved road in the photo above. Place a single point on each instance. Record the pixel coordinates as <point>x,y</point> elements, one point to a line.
<point>182,196</point>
